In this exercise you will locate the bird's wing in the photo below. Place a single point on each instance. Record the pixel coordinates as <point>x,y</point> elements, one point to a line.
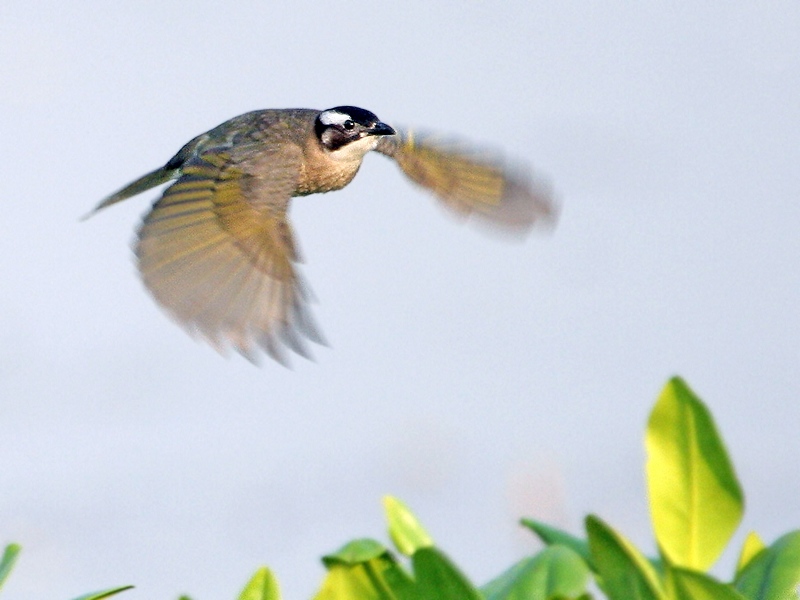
<point>472,181</point>
<point>217,251</point>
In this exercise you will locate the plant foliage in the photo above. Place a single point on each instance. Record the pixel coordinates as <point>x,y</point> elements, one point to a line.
<point>696,505</point>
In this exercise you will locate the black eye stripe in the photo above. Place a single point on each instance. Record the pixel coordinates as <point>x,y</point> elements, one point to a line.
<point>341,125</point>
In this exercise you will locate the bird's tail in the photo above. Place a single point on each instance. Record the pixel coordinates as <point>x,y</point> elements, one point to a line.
<point>144,183</point>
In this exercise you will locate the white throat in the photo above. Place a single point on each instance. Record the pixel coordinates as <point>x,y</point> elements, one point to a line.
<point>355,151</point>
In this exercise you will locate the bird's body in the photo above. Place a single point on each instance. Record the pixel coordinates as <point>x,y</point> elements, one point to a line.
<point>217,250</point>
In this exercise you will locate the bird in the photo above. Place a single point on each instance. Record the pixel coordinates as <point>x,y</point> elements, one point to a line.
<point>217,250</point>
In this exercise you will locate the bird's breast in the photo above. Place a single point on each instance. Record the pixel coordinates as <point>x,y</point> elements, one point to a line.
<point>321,174</point>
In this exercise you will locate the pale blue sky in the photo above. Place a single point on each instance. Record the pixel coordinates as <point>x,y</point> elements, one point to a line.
<point>480,380</point>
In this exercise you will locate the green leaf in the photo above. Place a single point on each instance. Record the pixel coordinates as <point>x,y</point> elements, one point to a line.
<point>405,530</point>
<point>693,585</point>
<point>7,561</point>
<point>626,574</point>
<point>551,535</point>
<point>353,583</point>
<point>696,502</point>
<point>262,586</point>
<point>557,571</point>
<point>104,593</point>
<point>439,579</point>
<point>364,570</point>
<point>774,573</point>
<point>355,552</point>
<point>753,544</point>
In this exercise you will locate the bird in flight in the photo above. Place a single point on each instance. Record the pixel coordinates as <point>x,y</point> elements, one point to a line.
<point>217,250</point>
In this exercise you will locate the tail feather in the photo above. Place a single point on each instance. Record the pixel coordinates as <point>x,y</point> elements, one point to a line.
<point>144,183</point>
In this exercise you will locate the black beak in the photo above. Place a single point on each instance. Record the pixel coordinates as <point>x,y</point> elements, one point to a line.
<point>380,129</point>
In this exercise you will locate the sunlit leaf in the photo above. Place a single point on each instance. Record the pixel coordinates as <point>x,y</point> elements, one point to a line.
<point>353,583</point>
<point>774,573</point>
<point>753,544</point>
<point>405,530</point>
<point>696,502</point>
<point>262,586</point>
<point>438,579</point>
<point>364,570</point>
<point>557,571</point>
<point>552,535</point>
<point>626,574</point>
<point>10,555</point>
<point>104,593</point>
<point>693,585</point>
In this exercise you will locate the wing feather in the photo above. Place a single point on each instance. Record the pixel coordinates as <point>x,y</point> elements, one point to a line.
<point>217,252</point>
<point>472,181</point>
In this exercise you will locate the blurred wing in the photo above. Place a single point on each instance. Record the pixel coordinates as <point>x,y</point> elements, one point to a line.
<point>471,181</point>
<point>217,252</point>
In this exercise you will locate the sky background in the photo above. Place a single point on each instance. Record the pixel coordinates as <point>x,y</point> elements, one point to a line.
<point>478,379</point>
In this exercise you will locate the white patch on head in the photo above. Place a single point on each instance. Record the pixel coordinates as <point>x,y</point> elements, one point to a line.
<point>333,117</point>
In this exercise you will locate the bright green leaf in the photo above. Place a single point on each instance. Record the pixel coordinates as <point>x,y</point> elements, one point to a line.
<point>355,552</point>
<point>557,571</point>
<point>551,535</point>
<point>626,574</point>
<point>262,586</point>
<point>104,593</point>
<point>774,573</point>
<point>377,578</point>
<point>753,544</point>
<point>352,583</point>
<point>693,585</point>
<point>696,502</point>
<point>364,570</point>
<point>405,530</point>
<point>438,579</point>
<point>7,561</point>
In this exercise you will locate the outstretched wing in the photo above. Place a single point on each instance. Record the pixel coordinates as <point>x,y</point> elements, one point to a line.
<point>217,251</point>
<point>471,181</point>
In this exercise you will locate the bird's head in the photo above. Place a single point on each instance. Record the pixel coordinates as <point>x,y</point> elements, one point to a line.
<point>349,132</point>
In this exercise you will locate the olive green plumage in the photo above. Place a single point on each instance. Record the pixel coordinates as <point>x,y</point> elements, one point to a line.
<point>217,250</point>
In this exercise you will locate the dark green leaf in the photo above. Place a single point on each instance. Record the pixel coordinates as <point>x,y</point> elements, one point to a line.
<point>557,571</point>
<point>355,552</point>
<point>774,573</point>
<point>104,593</point>
<point>438,579</point>
<point>551,535</point>
<point>625,573</point>
<point>696,502</point>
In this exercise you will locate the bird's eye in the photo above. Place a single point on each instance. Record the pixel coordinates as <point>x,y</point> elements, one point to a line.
<point>349,124</point>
